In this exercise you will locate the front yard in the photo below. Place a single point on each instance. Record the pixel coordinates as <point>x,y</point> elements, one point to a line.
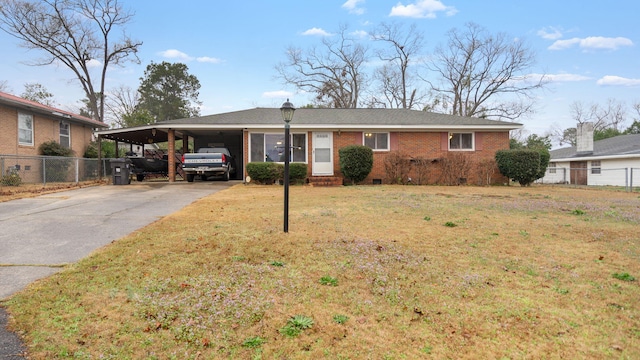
<point>380,272</point>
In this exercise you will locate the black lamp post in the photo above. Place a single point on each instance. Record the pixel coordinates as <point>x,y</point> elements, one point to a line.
<point>287,110</point>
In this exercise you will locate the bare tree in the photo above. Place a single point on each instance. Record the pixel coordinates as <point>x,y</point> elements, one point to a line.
<point>4,86</point>
<point>608,120</point>
<point>121,103</point>
<point>395,78</point>
<point>485,75</point>
<point>38,93</point>
<point>611,115</point>
<point>333,72</point>
<point>75,33</point>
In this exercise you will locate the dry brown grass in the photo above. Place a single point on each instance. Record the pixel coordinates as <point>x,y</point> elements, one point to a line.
<point>30,190</point>
<point>446,272</point>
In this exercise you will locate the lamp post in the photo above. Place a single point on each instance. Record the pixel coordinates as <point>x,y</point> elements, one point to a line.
<point>287,110</point>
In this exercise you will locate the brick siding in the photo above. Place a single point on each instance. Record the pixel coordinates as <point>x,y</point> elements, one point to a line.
<point>44,129</point>
<point>428,145</point>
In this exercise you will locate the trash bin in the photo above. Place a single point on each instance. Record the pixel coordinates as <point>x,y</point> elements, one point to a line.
<point>120,170</point>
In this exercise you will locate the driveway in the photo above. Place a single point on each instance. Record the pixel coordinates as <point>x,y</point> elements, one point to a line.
<point>40,235</point>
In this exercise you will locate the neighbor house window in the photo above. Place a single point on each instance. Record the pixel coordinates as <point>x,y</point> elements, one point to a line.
<point>25,129</point>
<point>595,167</point>
<point>65,134</point>
<point>552,167</point>
<point>460,141</point>
<point>377,141</point>
<point>270,148</point>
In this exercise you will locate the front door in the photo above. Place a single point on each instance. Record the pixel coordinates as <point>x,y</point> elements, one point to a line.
<point>578,172</point>
<point>322,153</point>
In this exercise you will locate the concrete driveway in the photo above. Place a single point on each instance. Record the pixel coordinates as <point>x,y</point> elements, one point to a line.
<point>40,235</point>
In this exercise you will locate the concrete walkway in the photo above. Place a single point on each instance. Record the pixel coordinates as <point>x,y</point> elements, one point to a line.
<point>40,235</point>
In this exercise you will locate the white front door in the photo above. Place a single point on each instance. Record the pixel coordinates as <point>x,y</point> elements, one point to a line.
<point>322,153</point>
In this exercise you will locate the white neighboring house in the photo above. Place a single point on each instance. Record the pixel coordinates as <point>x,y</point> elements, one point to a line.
<point>614,161</point>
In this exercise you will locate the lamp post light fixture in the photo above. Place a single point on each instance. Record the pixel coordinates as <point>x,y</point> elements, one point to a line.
<point>287,110</point>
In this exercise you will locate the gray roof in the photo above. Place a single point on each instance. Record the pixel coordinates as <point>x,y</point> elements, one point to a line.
<point>344,118</point>
<point>616,146</point>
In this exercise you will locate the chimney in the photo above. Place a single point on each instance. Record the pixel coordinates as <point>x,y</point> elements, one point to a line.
<point>584,138</point>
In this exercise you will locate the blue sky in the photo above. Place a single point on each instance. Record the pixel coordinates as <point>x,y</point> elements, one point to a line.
<point>589,49</point>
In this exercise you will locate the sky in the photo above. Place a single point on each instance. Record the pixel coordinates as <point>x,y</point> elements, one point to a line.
<point>589,50</point>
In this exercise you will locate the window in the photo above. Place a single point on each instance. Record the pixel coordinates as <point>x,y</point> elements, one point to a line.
<point>552,167</point>
<point>65,134</point>
<point>25,129</point>
<point>595,167</point>
<point>270,148</point>
<point>377,141</point>
<point>460,141</point>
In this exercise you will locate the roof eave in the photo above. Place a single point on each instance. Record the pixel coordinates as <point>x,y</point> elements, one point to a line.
<point>596,157</point>
<point>438,127</point>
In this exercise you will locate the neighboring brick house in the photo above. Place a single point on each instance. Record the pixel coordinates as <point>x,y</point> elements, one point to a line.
<point>25,124</point>
<point>257,135</point>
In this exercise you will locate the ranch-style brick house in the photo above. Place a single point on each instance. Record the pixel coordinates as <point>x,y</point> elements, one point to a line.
<point>25,124</point>
<point>257,135</point>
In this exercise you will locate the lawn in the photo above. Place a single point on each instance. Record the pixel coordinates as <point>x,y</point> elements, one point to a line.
<point>365,272</point>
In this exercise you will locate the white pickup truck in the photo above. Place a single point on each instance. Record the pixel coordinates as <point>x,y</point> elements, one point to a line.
<point>216,161</point>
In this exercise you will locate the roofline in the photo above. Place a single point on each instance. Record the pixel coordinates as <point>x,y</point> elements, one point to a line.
<point>145,127</point>
<point>602,157</point>
<point>21,103</point>
<point>314,126</point>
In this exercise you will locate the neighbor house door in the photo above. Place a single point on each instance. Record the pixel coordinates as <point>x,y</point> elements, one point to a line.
<point>322,153</point>
<point>578,172</point>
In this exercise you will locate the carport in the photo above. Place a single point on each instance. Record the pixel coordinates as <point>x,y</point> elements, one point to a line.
<point>202,136</point>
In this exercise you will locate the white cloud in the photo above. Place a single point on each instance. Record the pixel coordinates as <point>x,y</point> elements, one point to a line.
<point>360,34</point>
<point>422,9</point>
<point>175,54</point>
<point>207,59</point>
<point>550,33</point>
<point>352,6</point>
<point>280,94</point>
<point>316,32</point>
<point>534,78</point>
<point>613,80</point>
<point>93,63</point>
<point>592,43</point>
<point>566,77</point>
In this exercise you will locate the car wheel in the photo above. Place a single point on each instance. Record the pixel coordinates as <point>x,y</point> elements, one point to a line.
<point>190,177</point>
<point>139,177</point>
<point>225,177</point>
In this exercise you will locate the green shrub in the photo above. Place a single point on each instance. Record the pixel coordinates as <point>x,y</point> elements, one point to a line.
<point>523,166</point>
<point>356,162</point>
<point>269,172</point>
<point>56,169</point>
<point>297,172</point>
<point>263,172</point>
<point>11,179</point>
<point>108,150</point>
<point>53,148</point>
<point>544,162</point>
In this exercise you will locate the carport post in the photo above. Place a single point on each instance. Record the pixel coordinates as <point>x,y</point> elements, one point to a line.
<point>172,154</point>
<point>99,157</point>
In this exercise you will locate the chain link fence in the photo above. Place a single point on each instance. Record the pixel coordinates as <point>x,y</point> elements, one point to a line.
<point>16,170</point>
<point>628,177</point>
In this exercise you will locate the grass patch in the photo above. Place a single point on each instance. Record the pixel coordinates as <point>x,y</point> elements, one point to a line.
<point>624,276</point>
<point>203,282</point>
<point>296,325</point>
<point>329,281</point>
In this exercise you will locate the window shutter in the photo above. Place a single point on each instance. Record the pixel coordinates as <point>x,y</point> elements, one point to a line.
<point>444,141</point>
<point>393,141</point>
<point>479,141</point>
